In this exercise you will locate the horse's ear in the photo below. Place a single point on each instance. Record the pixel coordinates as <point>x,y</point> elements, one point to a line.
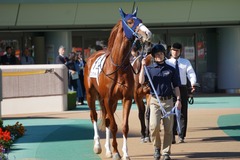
<point>122,13</point>
<point>135,12</point>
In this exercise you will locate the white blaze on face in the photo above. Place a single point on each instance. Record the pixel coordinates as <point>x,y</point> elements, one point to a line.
<point>144,29</point>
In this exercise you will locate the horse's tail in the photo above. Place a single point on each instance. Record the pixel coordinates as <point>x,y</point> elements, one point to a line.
<point>102,124</point>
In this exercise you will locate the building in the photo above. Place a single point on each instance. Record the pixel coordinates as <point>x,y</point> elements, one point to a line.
<point>208,29</point>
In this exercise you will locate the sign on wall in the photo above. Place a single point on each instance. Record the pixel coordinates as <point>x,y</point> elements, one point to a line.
<point>189,52</point>
<point>200,50</point>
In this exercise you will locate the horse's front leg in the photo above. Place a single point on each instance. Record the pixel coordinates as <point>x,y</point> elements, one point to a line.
<point>97,146</point>
<point>112,125</point>
<point>93,115</point>
<point>126,111</point>
<point>107,144</point>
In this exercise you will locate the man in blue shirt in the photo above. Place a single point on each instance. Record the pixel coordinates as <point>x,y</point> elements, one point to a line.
<point>26,57</point>
<point>163,77</point>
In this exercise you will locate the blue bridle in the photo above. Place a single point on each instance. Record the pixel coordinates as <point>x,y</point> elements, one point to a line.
<point>130,32</point>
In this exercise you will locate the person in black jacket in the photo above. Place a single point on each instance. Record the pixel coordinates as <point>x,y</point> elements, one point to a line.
<point>81,64</point>
<point>73,79</point>
<point>9,58</point>
<point>61,59</point>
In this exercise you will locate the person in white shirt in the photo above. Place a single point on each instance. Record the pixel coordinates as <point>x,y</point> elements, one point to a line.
<point>186,71</point>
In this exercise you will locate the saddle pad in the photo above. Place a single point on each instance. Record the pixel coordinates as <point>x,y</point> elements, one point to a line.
<point>97,66</point>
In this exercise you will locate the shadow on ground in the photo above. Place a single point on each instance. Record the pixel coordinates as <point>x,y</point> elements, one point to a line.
<point>211,155</point>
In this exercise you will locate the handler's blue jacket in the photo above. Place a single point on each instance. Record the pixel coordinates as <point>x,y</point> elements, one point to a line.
<point>164,79</point>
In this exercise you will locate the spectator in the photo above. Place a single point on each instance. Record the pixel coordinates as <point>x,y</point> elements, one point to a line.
<point>81,64</point>
<point>98,48</point>
<point>61,59</point>
<point>26,58</point>
<point>9,58</point>
<point>73,80</point>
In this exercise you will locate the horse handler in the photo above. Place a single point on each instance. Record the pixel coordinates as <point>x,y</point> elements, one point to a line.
<point>163,77</point>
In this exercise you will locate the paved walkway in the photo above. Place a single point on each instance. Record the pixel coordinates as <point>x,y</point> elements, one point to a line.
<point>213,133</point>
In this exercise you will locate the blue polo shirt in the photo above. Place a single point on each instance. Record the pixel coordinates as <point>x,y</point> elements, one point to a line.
<point>163,77</point>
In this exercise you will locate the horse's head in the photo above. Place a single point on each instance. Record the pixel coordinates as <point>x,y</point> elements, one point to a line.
<point>133,27</point>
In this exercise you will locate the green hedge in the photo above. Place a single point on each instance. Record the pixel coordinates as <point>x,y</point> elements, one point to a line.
<point>72,100</point>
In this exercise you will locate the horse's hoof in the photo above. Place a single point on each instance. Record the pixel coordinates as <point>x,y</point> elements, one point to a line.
<point>116,156</point>
<point>108,155</point>
<point>97,149</point>
<point>125,158</point>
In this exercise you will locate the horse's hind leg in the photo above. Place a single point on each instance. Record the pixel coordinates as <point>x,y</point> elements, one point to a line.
<point>141,114</point>
<point>147,132</point>
<point>147,116</point>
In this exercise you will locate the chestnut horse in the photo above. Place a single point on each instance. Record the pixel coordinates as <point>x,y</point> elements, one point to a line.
<point>115,81</point>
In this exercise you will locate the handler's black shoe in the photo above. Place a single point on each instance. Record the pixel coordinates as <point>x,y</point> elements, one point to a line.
<point>157,154</point>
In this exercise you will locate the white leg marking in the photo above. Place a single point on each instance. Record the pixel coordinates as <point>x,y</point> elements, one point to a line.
<point>107,144</point>
<point>125,148</point>
<point>97,146</point>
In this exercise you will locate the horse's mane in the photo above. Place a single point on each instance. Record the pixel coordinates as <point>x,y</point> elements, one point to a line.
<point>112,37</point>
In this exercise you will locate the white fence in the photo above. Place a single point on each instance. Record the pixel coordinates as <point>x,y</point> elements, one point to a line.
<point>33,88</point>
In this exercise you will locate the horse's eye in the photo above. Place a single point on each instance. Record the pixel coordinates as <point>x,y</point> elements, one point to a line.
<point>130,23</point>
